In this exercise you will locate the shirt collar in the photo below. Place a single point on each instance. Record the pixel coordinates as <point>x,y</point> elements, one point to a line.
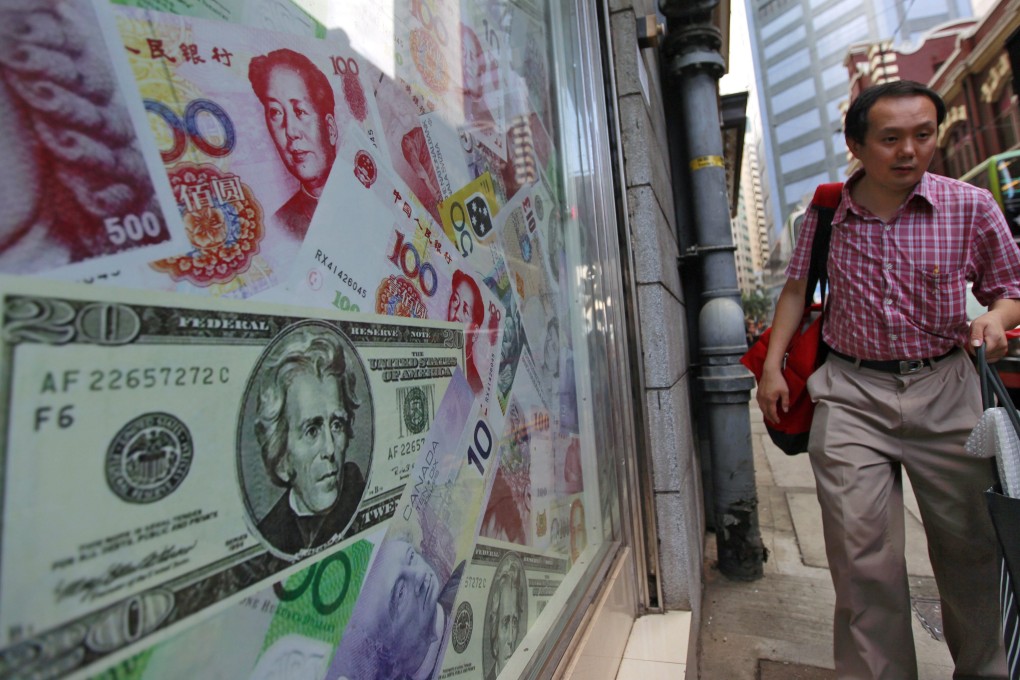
<point>925,189</point>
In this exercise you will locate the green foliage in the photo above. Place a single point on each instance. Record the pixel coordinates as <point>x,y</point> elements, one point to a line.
<point>757,307</point>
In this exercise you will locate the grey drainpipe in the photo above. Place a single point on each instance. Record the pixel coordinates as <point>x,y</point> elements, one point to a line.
<point>694,63</point>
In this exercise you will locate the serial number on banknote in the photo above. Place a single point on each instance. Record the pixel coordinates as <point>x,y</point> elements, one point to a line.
<point>475,582</point>
<point>346,279</point>
<point>136,378</point>
<point>405,448</point>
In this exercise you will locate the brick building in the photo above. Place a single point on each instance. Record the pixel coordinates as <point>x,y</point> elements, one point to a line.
<point>975,65</point>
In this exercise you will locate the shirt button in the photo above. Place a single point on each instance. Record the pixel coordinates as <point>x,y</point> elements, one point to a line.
<point>888,227</point>
<point>888,265</point>
<point>894,337</point>
<point>888,301</point>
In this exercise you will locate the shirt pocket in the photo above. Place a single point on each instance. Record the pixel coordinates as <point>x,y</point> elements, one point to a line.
<point>941,302</point>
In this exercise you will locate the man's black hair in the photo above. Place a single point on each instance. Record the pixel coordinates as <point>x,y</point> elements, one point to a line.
<point>318,86</point>
<point>856,126</point>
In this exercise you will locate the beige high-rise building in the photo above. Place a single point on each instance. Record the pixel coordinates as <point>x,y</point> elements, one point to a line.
<point>750,233</point>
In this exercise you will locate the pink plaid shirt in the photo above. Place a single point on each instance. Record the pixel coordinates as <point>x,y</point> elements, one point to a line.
<point>898,290</point>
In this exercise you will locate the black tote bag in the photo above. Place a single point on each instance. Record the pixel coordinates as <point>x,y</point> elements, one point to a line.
<point>1005,514</point>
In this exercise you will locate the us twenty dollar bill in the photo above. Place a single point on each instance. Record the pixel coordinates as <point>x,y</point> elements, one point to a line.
<point>503,592</point>
<point>162,454</point>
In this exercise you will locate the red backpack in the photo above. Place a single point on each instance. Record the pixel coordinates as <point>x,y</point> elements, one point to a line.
<point>806,351</point>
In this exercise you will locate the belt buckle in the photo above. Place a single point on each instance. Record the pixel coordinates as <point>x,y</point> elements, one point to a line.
<point>912,366</point>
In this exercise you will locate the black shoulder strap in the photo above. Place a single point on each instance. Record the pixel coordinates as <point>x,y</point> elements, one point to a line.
<point>825,202</point>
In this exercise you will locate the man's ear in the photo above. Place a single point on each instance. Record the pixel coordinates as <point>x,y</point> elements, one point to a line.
<point>283,468</point>
<point>332,129</point>
<point>854,147</point>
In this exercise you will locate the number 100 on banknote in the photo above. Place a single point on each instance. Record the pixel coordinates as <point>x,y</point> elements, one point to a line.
<point>163,455</point>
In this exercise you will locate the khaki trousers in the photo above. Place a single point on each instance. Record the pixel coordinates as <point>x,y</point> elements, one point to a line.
<point>868,427</point>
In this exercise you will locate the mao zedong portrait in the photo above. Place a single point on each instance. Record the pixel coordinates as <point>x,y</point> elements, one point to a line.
<point>467,307</point>
<point>304,425</point>
<point>403,618</point>
<point>299,107</point>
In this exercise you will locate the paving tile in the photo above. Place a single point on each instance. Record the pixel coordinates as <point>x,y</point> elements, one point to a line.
<point>784,670</point>
<point>783,623</point>
<point>807,522</point>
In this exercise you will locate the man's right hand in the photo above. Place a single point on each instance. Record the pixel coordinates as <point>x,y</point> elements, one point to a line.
<point>773,394</point>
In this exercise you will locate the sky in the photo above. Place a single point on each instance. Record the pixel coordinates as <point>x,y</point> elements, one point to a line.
<point>740,77</point>
<point>741,69</point>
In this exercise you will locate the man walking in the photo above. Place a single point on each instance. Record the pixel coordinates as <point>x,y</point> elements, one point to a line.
<point>897,393</point>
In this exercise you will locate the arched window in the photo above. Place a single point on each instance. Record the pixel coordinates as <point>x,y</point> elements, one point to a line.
<point>1006,119</point>
<point>959,152</point>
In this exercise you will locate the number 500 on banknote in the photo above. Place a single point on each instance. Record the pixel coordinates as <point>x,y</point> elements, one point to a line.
<point>162,455</point>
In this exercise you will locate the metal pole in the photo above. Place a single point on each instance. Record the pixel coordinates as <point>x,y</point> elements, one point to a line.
<point>696,65</point>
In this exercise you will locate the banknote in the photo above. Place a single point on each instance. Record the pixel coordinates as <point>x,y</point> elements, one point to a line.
<point>213,446</point>
<point>82,185</point>
<point>522,227</point>
<point>504,118</point>
<point>485,62</point>
<point>287,631</point>
<point>404,616</point>
<point>526,23</point>
<point>391,259</point>
<point>366,26</point>
<point>503,593</point>
<point>524,487</point>
<point>569,526</point>
<point>468,218</point>
<point>427,46</point>
<point>275,15</point>
<point>452,64</point>
<point>248,123</point>
<point>408,138</point>
<point>471,221</point>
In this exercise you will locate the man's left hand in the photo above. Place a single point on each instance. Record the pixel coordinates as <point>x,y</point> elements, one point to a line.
<point>989,329</point>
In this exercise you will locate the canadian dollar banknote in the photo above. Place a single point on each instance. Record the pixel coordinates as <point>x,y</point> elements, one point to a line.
<point>404,616</point>
<point>173,453</point>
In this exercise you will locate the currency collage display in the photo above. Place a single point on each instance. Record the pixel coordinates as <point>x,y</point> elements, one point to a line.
<point>187,508</point>
<point>504,591</point>
<point>286,335</point>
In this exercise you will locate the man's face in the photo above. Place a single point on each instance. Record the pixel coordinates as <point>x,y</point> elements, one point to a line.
<point>405,590</point>
<point>899,144</point>
<point>317,426</point>
<point>305,139</point>
<point>507,625</point>
<point>461,302</point>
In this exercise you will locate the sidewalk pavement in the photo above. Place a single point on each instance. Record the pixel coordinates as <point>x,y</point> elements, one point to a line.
<point>780,627</point>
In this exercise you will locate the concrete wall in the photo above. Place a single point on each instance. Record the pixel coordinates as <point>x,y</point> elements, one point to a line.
<point>678,509</point>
